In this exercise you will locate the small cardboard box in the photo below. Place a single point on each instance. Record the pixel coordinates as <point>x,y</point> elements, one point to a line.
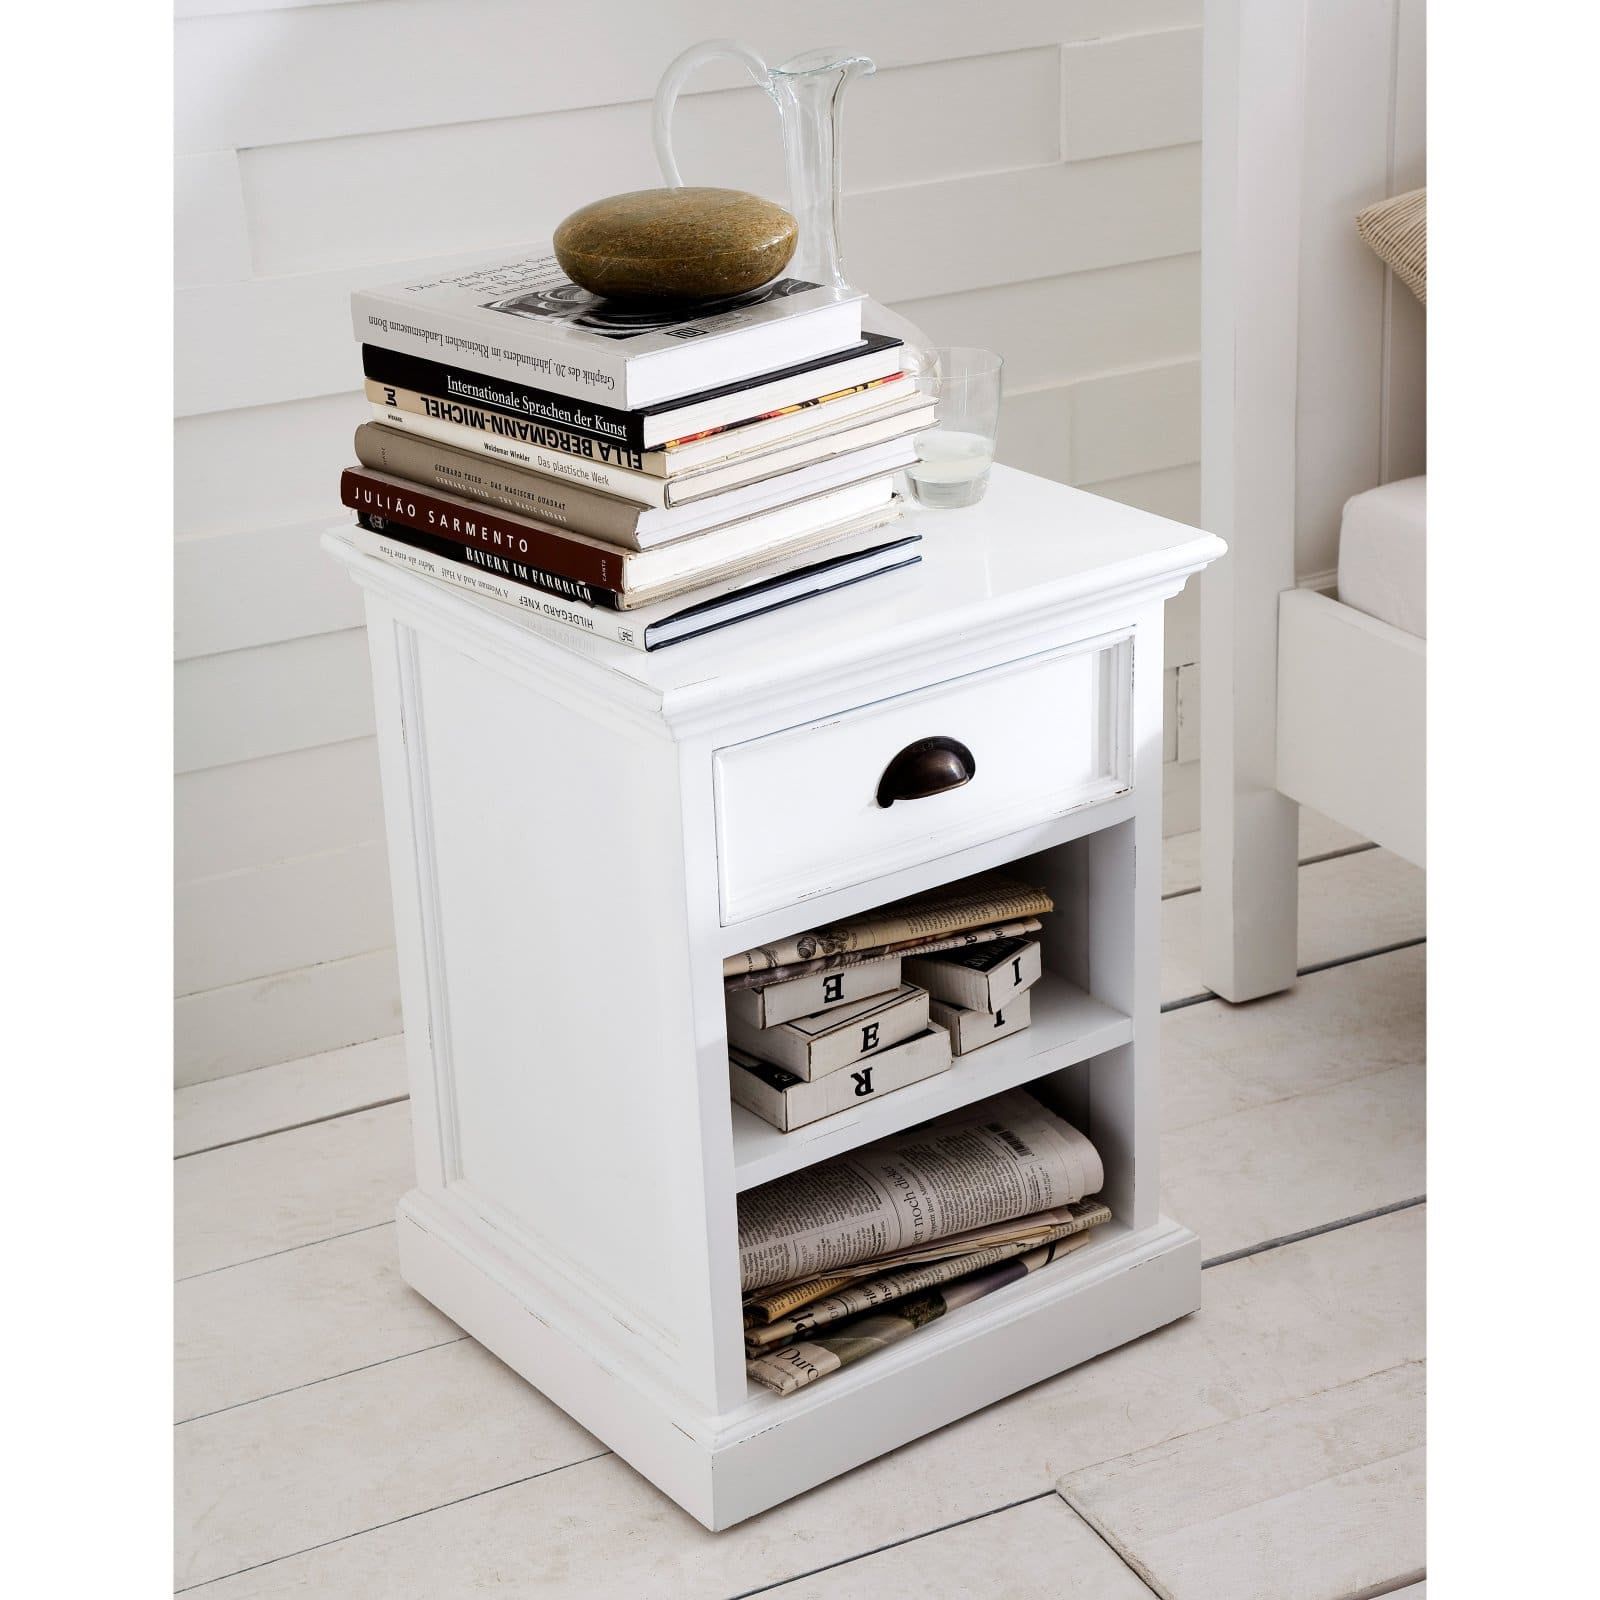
<point>812,1047</point>
<point>982,977</point>
<point>815,992</point>
<point>971,1030</point>
<point>788,1102</point>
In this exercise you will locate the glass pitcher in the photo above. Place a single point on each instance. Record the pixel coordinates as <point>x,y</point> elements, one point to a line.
<point>808,91</point>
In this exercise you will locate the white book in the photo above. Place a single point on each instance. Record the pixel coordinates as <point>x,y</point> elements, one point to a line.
<point>520,317</point>
<point>853,551</point>
<point>971,1030</point>
<point>787,1102</point>
<point>813,992</point>
<point>812,1047</point>
<point>982,977</point>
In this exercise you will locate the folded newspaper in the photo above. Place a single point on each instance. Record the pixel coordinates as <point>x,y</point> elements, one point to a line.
<point>955,908</point>
<point>871,1293</point>
<point>892,1202</point>
<point>794,1366</point>
<point>765,1305</point>
<point>927,945</point>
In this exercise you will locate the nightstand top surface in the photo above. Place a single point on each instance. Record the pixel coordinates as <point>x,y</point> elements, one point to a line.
<point>1029,546</point>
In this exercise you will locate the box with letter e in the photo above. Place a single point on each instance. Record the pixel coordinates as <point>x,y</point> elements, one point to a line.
<point>812,1047</point>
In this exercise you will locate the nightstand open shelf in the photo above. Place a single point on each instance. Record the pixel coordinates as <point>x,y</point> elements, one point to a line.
<point>580,833</point>
<point>1068,1027</point>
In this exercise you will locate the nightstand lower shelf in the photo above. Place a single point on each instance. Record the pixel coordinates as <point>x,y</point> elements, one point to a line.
<point>724,1468</point>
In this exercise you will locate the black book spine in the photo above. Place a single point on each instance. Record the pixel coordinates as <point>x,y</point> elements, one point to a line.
<point>467,555</point>
<point>502,394</point>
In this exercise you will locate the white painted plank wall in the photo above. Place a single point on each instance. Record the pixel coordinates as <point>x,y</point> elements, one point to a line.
<point>1024,177</point>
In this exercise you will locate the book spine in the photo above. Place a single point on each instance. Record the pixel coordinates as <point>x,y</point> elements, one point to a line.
<point>475,477</point>
<point>493,533</point>
<point>418,330</point>
<point>637,486</point>
<point>387,545</point>
<point>510,435</point>
<point>389,366</point>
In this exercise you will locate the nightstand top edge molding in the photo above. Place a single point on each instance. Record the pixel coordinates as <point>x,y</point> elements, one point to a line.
<point>1032,552</point>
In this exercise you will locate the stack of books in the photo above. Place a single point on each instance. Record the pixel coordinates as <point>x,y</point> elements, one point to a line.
<point>646,475</point>
<point>902,991</point>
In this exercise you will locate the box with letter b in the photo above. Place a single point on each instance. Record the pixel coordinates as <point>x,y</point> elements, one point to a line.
<point>805,996</point>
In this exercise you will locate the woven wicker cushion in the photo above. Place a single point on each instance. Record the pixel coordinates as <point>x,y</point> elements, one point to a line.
<point>1397,232</point>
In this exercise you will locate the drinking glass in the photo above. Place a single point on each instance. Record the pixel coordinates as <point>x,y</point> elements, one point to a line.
<point>954,456</point>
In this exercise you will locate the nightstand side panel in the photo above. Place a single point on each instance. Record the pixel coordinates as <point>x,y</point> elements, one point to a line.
<point>539,887</point>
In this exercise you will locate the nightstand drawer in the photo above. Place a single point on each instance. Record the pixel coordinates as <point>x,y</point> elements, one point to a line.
<point>888,785</point>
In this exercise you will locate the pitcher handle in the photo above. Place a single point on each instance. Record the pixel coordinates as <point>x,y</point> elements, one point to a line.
<point>672,80</point>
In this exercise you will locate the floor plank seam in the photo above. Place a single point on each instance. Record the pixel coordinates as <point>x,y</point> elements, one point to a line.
<point>1082,1513</point>
<point>1278,1243</point>
<point>288,1249</point>
<point>1305,861</point>
<point>1188,1000</point>
<point>311,1383</point>
<point>1398,1586</point>
<point>410,1516</point>
<point>1366,955</point>
<point>1378,1070</point>
<point>291,1127</point>
<point>893,1544</point>
<point>1206,1427</point>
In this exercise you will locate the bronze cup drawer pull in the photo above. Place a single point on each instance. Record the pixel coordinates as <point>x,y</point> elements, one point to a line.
<point>930,766</point>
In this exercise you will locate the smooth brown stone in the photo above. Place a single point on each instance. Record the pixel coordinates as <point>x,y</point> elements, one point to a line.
<point>676,244</point>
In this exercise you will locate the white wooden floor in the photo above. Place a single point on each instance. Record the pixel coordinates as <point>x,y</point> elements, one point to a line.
<point>337,1436</point>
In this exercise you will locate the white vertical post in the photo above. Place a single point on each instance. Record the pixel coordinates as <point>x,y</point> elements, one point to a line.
<point>1253,75</point>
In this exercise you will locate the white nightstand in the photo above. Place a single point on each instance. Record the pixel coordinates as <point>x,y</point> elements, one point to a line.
<point>579,834</point>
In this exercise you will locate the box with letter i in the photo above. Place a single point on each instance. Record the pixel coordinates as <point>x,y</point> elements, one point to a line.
<point>787,1102</point>
<point>971,1029</point>
<point>982,978</point>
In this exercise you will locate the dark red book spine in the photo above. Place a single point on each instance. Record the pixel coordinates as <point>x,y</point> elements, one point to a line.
<point>469,523</point>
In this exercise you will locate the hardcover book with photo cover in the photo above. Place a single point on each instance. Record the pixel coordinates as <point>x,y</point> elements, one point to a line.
<point>521,317</point>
